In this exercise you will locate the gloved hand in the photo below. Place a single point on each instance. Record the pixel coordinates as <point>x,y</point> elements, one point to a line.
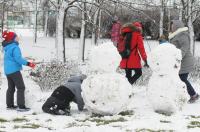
<point>31,64</point>
<point>146,64</point>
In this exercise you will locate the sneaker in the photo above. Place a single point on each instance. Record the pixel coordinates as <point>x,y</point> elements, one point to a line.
<point>12,107</point>
<point>23,108</point>
<point>193,98</point>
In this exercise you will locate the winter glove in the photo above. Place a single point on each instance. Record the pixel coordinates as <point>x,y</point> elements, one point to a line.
<point>31,64</point>
<point>146,64</point>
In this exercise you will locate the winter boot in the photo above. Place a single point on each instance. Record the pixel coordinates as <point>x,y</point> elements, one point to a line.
<point>23,108</point>
<point>193,98</point>
<point>12,107</point>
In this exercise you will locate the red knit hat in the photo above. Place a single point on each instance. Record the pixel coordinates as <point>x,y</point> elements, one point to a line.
<point>8,36</point>
<point>137,24</point>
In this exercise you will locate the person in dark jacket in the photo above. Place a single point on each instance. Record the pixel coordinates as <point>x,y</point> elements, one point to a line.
<point>13,62</point>
<point>180,38</point>
<point>59,101</point>
<point>133,62</point>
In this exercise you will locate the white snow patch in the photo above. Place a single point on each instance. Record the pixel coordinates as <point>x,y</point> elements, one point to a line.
<point>166,92</point>
<point>106,94</point>
<point>104,58</point>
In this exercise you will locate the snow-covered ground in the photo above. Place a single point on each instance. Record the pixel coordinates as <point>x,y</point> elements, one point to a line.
<point>139,118</point>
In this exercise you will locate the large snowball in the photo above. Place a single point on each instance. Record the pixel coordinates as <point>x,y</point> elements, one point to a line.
<point>165,59</point>
<point>104,58</point>
<point>166,92</point>
<point>106,94</point>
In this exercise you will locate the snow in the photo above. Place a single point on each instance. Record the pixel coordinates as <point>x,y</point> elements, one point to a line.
<point>102,78</point>
<point>104,58</point>
<point>106,94</point>
<point>166,92</point>
<point>143,116</point>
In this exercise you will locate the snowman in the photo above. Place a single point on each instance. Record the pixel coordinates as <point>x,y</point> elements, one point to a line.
<point>166,92</point>
<point>105,91</point>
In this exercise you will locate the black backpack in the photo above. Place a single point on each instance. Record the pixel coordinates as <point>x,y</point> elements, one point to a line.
<point>124,46</point>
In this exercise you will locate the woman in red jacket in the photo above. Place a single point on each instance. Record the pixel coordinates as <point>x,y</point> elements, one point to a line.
<point>133,62</point>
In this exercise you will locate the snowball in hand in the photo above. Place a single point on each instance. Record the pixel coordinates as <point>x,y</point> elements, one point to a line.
<point>104,58</point>
<point>106,94</point>
<point>166,92</point>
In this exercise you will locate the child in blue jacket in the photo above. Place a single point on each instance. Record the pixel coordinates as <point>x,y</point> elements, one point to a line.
<point>13,62</point>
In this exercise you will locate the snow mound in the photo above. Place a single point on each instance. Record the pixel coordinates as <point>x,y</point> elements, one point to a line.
<point>166,92</point>
<point>164,58</point>
<point>104,58</point>
<point>106,94</point>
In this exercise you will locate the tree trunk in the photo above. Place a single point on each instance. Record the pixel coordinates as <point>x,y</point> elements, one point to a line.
<point>161,19</point>
<point>99,28</point>
<point>3,15</point>
<point>191,29</point>
<point>94,37</point>
<point>46,22</point>
<point>35,25</point>
<point>82,36</point>
<point>180,14</point>
<point>64,55</point>
<point>59,31</point>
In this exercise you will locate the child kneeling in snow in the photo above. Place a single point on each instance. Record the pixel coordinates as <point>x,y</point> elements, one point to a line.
<point>59,101</point>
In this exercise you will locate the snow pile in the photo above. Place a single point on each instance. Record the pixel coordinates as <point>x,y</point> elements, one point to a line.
<point>104,58</point>
<point>166,92</point>
<point>104,91</point>
<point>106,94</point>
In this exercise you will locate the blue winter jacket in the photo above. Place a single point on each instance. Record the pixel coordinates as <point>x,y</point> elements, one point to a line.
<point>13,59</point>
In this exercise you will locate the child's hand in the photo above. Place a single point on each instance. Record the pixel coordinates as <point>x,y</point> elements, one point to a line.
<point>31,64</point>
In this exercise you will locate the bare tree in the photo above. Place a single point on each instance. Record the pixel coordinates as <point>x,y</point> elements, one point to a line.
<point>82,36</point>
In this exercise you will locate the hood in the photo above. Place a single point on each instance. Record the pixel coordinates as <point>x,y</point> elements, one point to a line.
<point>7,45</point>
<point>177,24</point>
<point>129,27</point>
<point>179,30</point>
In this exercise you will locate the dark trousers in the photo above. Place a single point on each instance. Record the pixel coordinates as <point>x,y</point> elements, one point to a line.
<point>190,89</point>
<point>59,100</point>
<point>133,79</point>
<point>15,80</point>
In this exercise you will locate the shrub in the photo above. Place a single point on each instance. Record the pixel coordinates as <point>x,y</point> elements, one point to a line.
<point>53,74</point>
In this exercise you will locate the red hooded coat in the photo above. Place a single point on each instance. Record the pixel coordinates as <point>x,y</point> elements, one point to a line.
<point>137,48</point>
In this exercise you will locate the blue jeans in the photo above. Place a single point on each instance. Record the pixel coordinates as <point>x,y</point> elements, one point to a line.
<point>190,89</point>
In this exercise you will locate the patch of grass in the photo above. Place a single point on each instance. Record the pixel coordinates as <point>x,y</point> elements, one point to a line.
<point>20,120</point>
<point>48,120</point>
<point>164,121</point>
<point>164,113</point>
<point>150,130</point>
<point>193,116</point>
<point>100,121</point>
<point>128,112</point>
<point>34,113</point>
<point>194,124</point>
<point>96,115</point>
<point>74,124</point>
<point>2,127</point>
<point>105,122</point>
<point>28,125</point>
<point>16,127</point>
<point>2,120</point>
